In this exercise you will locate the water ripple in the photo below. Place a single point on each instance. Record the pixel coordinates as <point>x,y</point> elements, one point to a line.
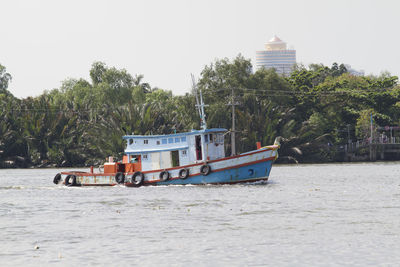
<point>309,215</point>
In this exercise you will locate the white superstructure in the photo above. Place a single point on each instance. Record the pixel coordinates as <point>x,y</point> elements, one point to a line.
<point>173,150</point>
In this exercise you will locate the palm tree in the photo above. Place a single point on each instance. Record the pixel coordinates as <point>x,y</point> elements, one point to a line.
<point>137,82</point>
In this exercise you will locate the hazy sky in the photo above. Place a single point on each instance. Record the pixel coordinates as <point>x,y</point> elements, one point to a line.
<point>45,42</point>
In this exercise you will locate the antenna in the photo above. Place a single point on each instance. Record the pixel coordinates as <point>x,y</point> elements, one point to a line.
<point>203,115</point>
<point>200,106</point>
<point>194,88</point>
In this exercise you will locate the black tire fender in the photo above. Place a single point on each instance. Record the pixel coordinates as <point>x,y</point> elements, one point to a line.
<point>70,180</point>
<point>164,176</point>
<point>120,178</point>
<point>57,178</point>
<point>137,179</point>
<point>184,173</point>
<point>205,169</point>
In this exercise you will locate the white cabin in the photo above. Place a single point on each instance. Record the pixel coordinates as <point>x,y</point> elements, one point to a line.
<point>154,152</point>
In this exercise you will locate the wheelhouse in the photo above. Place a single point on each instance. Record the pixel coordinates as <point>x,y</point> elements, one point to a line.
<point>153,152</point>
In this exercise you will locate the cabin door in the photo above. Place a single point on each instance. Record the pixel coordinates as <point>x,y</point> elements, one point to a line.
<point>175,158</point>
<point>136,162</point>
<point>198,148</point>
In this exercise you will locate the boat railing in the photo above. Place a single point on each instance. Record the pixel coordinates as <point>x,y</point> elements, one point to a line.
<point>382,140</point>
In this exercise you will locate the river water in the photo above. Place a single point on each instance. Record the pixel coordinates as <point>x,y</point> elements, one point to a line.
<point>306,215</point>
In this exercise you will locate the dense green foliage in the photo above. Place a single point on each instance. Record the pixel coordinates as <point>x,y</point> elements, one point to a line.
<point>82,122</point>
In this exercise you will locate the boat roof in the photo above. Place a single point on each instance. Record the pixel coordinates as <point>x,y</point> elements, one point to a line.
<point>193,132</point>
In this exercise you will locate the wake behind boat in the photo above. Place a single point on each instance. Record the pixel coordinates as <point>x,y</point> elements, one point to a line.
<point>195,157</point>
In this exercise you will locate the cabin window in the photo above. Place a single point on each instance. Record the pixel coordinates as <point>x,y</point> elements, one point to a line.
<point>177,139</point>
<point>206,138</point>
<point>183,139</point>
<point>164,141</point>
<point>184,153</point>
<point>130,141</point>
<point>146,142</point>
<point>145,157</point>
<point>158,142</point>
<point>211,138</point>
<point>170,140</point>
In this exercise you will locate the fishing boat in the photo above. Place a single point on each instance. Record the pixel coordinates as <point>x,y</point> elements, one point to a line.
<point>195,157</point>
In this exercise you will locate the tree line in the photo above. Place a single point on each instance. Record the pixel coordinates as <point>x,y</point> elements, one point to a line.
<point>82,122</point>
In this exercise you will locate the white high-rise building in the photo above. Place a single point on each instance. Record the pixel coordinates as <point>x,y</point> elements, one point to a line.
<point>276,56</point>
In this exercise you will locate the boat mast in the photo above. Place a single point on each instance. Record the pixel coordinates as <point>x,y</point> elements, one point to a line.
<point>200,105</point>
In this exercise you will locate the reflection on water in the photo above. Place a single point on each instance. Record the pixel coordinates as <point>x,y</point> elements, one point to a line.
<point>319,215</point>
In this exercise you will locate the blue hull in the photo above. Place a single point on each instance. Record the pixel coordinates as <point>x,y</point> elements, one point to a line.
<point>253,172</point>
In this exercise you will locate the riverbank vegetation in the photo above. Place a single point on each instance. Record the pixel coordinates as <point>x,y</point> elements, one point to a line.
<point>315,110</point>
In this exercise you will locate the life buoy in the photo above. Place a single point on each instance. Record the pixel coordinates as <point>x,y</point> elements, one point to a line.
<point>184,173</point>
<point>164,176</point>
<point>137,179</point>
<point>205,169</point>
<point>57,178</point>
<point>70,180</point>
<point>120,178</point>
